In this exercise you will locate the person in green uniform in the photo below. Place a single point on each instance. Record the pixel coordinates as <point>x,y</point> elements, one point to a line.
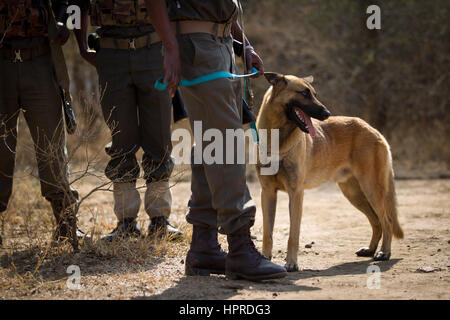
<point>220,200</point>
<point>129,59</point>
<point>28,83</point>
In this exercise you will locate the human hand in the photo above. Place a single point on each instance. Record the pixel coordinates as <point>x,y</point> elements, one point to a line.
<point>253,60</point>
<point>172,67</point>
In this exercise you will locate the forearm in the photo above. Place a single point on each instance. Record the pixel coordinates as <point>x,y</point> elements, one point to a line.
<point>236,32</point>
<point>160,20</point>
<point>82,34</point>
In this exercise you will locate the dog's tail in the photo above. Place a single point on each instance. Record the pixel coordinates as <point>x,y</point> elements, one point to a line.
<point>390,197</point>
<point>391,207</point>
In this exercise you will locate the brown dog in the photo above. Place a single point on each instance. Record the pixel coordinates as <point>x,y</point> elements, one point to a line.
<point>344,149</point>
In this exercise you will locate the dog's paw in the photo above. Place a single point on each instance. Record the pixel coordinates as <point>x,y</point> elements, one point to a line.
<point>365,252</point>
<point>382,256</point>
<point>291,267</point>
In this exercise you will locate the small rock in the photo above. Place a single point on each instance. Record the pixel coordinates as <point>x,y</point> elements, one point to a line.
<point>274,294</point>
<point>428,269</point>
<point>438,250</point>
<point>182,261</point>
<point>309,245</point>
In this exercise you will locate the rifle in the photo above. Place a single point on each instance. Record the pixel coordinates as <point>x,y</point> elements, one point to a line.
<point>62,76</point>
<point>179,112</point>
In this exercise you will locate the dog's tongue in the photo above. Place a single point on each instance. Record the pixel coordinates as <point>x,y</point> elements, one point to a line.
<point>307,120</point>
<point>312,130</point>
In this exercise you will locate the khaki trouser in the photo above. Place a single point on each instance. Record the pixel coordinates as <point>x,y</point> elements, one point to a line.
<point>138,116</point>
<point>30,86</point>
<point>220,196</point>
<point>157,200</point>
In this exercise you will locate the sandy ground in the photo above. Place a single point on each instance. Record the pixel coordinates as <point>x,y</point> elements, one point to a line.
<point>329,269</point>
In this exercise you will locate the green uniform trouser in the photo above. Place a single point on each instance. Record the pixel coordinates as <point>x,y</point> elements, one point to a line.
<point>31,86</point>
<point>220,196</point>
<point>139,117</point>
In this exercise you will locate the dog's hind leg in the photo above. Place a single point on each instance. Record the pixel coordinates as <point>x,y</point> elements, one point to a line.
<point>295,215</point>
<point>377,185</point>
<point>352,191</point>
<point>268,203</point>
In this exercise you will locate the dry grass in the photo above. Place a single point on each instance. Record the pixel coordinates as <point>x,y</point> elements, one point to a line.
<point>31,262</point>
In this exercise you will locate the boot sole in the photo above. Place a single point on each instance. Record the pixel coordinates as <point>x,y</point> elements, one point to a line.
<point>237,276</point>
<point>201,272</point>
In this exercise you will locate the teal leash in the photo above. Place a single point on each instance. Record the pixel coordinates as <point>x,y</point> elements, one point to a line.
<point>159,85</point>
<point>252,124</point>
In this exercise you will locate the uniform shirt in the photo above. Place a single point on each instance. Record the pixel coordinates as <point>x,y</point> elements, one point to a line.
<point>26,18</point>
<point>219,11</point>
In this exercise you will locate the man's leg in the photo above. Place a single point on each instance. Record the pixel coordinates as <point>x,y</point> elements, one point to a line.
<point>214,105</point>
<point>43,112</point>
<point>9,110</point>
<point>120,113</point>
<point>155,135</point>
<point>218,106</point>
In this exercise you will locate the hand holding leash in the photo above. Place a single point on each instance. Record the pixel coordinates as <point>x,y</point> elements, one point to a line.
<point>253,60</point>
<point>172,66</point>
<point>172,62</point>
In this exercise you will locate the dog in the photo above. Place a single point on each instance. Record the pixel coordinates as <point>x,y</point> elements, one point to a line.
<point>315,147</point>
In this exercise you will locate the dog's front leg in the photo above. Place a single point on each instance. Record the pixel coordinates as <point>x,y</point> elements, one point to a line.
<point>295,215</point>
<point>269,204</point>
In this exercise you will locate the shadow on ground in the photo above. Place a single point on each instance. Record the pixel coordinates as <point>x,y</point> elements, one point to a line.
<point>344,269</point>
<point>90,259</point>
<point>219,287</point>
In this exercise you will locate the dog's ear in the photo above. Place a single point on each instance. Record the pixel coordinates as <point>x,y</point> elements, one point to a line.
<point>275,78</point>
<point>309,79</point>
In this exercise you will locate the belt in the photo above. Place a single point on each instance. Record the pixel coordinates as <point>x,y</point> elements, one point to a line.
<point>221,30</point>
<point>24,54</point>
<point>129,44</point>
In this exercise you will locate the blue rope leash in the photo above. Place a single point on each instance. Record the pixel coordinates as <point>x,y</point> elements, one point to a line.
<point>159,85</point>
<point>252,124</point>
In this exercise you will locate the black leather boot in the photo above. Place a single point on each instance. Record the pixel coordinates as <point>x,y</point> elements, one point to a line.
<point>205,257</point>
<point>66,224</point>
<point>160,226</point>
<point>126,228</point>
<point>245,261</point>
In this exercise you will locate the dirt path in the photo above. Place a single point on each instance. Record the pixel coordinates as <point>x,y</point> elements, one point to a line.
<point>330,269</point>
